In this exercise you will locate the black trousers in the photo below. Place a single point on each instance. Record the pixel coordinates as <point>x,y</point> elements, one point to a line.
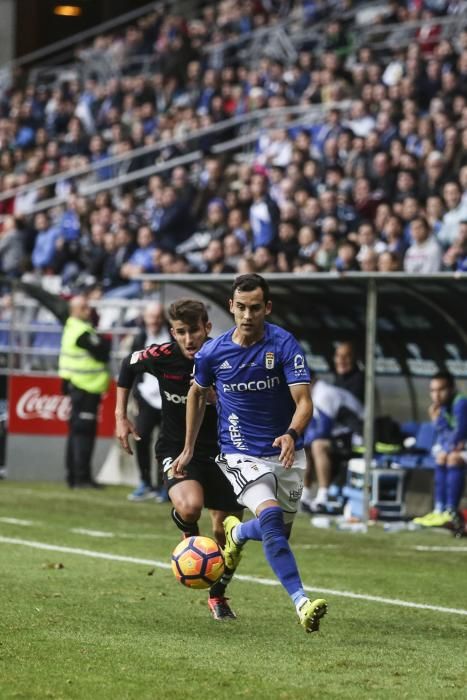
<point>147,419</point>
<point>81,435</point>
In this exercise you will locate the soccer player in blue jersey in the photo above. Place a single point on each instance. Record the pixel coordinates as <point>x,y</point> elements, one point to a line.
<point>264,404</point>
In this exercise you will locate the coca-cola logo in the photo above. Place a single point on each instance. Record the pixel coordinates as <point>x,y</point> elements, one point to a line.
<point>33,404</point>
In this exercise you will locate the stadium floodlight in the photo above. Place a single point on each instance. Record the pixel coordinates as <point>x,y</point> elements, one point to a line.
<point>68,10</point>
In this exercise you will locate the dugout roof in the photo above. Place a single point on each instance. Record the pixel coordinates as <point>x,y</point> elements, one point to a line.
<point>421,321</point>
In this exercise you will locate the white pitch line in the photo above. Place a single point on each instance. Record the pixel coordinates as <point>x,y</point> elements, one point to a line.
<point>426,548</point>
<point>84,552</point>
<point>91,533</point>
<point>315,546</point>
<point>238,577</point>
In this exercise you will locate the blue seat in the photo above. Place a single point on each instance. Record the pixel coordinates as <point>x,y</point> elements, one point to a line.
<point>45,340</point>
<point>419,456</point>
<point>409,428</point>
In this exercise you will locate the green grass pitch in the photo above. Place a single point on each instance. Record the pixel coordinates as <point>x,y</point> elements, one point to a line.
<point>75,626</point>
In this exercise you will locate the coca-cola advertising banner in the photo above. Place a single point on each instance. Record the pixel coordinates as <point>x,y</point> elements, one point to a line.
<point>36,406</point>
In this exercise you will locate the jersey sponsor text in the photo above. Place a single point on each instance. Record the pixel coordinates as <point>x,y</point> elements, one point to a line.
<point>259,385</point>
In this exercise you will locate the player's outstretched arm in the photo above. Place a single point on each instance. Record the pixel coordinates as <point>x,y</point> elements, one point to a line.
<point>300,419</point>
<point>124,427</point>
<point>195,409</point>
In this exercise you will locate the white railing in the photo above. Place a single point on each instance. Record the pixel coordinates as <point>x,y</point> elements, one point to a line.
<point>30,337</point>
<point>270,118</point>
<point>401,35</point>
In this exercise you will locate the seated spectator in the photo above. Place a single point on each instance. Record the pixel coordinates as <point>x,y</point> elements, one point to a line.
<point>326,254</point>
<point>308,243</point>
<point>367,241</point>
<point>233,250</point>
<point>213,259</point>
<point>288,244</point>
<point>263,260</point>
<point>456,211</point>
<point>455,258</point>
<point>393,236</point>
<point>44,247</point>
<point>433,175</point>
<point>11,248</point>
<point>213,227</point>
<point>141,261</point>
<point>264,214</point>
<point>434,211</point>
<point>326,437</point>
<point>424,255</point>
<point>119,248</point>
<point>365,201</point>
<point>94,252</point>
<point>237,224</point>
<point>448,411</point>
<point>389,262</point>
<point>173,225</point>
<point>361,122</point>
<point>369,261</point>
<point>346,260</point>
<point>347,373</point>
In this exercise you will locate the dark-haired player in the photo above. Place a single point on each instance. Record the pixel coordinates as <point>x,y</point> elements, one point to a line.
<point>264,404</point>
<point>448,412</point>
<point>203,484</point>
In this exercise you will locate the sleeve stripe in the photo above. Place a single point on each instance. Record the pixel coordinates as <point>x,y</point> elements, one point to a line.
<point>298,383</point>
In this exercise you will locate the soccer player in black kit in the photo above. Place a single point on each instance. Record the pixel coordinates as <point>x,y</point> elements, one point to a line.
<point>203,483</point>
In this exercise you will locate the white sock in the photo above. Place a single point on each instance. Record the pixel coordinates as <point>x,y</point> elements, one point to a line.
<point>322,495</point>
<point>300,602</point>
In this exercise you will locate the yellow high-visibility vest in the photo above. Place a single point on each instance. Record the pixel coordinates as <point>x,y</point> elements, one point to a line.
<point>76,364</point>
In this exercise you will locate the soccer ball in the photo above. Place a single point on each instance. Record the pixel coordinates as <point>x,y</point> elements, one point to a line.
<point>197,562</point>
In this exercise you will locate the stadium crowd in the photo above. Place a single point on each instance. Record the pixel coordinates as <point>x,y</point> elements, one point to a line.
<point>377,183</point>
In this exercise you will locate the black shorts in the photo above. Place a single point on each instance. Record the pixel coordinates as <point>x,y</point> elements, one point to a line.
<point>218,493</point>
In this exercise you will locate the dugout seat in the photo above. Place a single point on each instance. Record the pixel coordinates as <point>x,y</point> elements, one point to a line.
<point>419,455</point>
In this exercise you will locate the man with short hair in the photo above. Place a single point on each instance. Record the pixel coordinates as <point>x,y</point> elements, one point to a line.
<point>347,374</point>
<point>149,404</point>
<point>456,211</point>
<point>203,484</point>
<point>264,405</point>
<point>448,411</point>
<point>424,256</point>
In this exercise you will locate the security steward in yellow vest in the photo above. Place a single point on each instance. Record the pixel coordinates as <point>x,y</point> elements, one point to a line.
<point>83,367</point>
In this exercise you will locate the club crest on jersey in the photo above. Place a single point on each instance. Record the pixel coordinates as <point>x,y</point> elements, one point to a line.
<point>299,362</point>
<point>269,360</point>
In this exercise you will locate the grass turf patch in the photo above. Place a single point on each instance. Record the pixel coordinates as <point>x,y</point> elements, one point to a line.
<point>117,629</point>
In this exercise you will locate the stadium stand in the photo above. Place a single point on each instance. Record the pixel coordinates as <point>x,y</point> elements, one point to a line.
<point>331,124</point>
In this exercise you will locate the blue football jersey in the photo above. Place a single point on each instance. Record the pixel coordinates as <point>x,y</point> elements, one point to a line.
<point>254,404</point>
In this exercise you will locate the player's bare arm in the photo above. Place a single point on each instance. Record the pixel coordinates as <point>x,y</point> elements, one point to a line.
<point>124,427</point>
<point>195,409</point>
<point>300,419</point>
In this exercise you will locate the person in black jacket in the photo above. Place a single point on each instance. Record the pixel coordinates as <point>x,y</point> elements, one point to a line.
<point>347,374</point>
<point>149,403</point>
<point>203,484</point>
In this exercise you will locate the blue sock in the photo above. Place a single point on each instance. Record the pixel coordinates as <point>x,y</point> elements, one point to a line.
<point>454,487</point>
<point>251,530</point>
<point>440,488</point>
<point>278,552</point>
